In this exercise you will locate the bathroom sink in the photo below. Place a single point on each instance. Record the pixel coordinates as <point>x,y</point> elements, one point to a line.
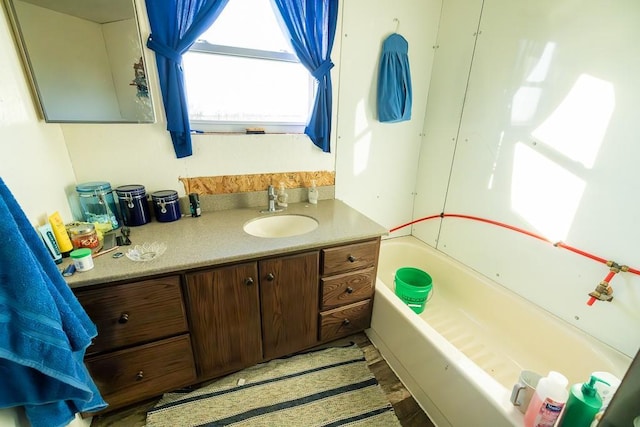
<point>280,226</point>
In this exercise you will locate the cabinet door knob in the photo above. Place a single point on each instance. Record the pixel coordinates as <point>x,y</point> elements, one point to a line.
<point>351,258</point>
<point>139,375</point>
<point>346,322</point>
<point>270,277</point>
<point>124,318</point>
<point>248,281</point>
<point>349,290</point>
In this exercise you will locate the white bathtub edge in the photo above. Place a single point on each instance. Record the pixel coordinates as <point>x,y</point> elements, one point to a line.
<point>496,394</point>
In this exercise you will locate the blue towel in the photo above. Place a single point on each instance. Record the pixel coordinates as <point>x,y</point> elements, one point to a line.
<point>394,81</point>
<point>44,331</point>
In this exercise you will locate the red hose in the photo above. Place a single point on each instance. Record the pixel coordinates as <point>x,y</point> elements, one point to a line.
<point>583,253</point>
<point>519,230</point>
<point>414,222</point>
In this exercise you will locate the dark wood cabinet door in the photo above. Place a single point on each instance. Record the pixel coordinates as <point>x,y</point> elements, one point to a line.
<point>224,314</point>
<point>289,299</point>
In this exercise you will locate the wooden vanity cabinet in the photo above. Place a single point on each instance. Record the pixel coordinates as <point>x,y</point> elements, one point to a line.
<point>143,347</point>
<point>289,301</point>
<point>224,313</point>
<point>245,313</point>
<point>151,340</point>
<point>346,286</point>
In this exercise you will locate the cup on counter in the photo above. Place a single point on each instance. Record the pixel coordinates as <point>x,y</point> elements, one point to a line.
<point>523,390</point>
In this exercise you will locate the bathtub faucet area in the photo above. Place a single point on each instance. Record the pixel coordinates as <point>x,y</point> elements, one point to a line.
<point>604,291</point>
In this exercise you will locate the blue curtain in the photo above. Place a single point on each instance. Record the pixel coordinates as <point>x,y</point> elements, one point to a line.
<point>175,26</point>
<point>311,27</point>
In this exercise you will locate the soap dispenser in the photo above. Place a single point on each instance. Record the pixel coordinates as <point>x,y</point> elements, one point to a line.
<point>583,404</point>
<point>313,193</point>
<point>282,196</point>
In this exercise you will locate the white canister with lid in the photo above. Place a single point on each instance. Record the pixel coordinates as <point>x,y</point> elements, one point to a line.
<point>82,259</point>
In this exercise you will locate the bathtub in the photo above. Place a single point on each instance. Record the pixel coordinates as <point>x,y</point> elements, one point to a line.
<point>461,356</point>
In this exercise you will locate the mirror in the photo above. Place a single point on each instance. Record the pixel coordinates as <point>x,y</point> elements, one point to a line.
<point>84,58</point>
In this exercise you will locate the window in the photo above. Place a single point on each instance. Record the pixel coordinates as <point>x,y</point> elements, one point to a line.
<point>242,72</point>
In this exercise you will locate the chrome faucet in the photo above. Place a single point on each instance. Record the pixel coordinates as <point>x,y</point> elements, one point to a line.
<point>271,194</point>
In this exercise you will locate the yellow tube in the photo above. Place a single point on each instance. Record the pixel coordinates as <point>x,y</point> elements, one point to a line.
<point>60,232</point>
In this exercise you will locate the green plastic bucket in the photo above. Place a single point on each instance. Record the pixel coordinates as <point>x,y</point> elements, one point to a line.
<point>413,287</point>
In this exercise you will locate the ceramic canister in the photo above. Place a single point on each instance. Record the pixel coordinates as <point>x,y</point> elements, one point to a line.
<point>133,204</point>
<point>166,205</point>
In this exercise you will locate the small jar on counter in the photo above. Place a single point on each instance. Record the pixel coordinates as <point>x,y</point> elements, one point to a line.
<point>82,259</point>
<point>84,236</point>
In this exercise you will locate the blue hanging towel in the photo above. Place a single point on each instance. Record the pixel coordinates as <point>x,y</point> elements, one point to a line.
<point>394,81</point>
<point>44,331</point>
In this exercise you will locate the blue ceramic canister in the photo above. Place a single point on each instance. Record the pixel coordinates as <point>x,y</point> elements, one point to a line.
<point>133,204</point>
<point>97,204</point>
<point>166,205</point>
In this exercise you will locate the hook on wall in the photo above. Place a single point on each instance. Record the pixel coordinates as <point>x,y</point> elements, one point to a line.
<point>397,21</point>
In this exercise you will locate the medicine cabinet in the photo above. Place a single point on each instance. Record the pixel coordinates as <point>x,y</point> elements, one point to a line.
<point>84,59</point>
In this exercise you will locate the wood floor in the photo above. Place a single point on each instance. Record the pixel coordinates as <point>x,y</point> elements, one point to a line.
<point>407,410</point>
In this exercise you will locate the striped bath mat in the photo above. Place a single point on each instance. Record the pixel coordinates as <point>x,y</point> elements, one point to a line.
<point>331,387</point>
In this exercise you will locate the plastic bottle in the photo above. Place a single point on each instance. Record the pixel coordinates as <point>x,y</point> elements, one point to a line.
<point>547,402</point>
<point>583,404</point>
<point>283,197</point>
<point>313,193</point>
<point>59,230</point>
<point>194,205</point>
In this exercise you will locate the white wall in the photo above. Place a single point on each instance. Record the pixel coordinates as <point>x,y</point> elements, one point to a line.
<point>377,162</point>
<point>547,141</point>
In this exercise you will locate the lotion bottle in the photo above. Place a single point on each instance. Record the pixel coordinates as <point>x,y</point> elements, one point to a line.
<point>60,233</point>
<point>583,404</point>
<point>313,193</point>
<point>547,401</point>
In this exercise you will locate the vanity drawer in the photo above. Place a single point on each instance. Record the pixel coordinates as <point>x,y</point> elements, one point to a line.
<point>349,257</point>
<point>347,288</point>
<point>144,371</point>
<point>135,313</point>
<point>344,321</point>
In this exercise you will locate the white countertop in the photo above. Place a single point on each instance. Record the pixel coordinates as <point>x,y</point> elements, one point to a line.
<point>217,238</point>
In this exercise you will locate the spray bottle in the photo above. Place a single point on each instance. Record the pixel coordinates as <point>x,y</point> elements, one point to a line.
<point>583,404</point>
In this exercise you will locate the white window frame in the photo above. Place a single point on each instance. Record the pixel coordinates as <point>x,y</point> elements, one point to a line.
<point>198,126</point>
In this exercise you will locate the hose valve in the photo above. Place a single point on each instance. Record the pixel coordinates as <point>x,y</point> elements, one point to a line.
<point>603,292</point>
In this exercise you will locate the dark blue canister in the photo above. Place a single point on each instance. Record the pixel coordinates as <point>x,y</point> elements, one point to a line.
<point>133,204</point>
<point>166,205</point>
